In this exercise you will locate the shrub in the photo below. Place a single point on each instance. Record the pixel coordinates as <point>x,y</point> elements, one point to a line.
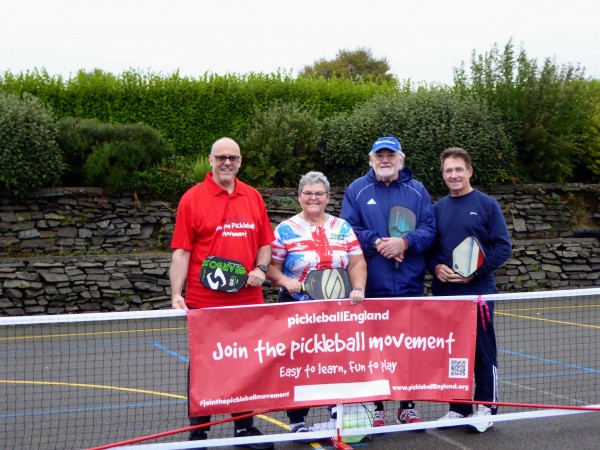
<point>279,144</point>
<point>134,148</point>
<point>200,167</point>
<point>29,156</point>
<point>426,122</point>
<point>549,110</point>
<point>77,138</point>
<point>169,180</point>
<point>101,154</point>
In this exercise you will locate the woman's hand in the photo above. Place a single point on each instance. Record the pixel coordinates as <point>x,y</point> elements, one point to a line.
<point>291,285</point>
<point>357,295</point>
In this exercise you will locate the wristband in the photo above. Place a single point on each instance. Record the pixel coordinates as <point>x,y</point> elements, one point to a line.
<point>405,243</point>
<point>357,289</point>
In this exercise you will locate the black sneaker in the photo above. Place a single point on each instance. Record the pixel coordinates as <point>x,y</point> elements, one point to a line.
<point>249,432</point>
<point>198,435</point>
<point>300,428</point>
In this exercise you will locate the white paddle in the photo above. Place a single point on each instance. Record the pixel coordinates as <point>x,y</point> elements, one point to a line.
<point>467,257</point>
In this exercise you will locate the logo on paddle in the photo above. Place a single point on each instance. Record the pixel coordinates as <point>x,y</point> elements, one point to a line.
<point>222,274</point>
<point>327,284</point>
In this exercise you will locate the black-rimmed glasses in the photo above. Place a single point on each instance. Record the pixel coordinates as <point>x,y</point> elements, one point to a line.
<point>223,158</point>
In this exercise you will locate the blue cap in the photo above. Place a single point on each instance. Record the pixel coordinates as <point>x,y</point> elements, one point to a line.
<point>389,142</point>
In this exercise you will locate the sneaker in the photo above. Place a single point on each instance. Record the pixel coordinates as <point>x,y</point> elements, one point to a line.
<point>481,427</point>
<point>301,428</point>
<point>249,432</point>
<point>451,415</point>
<point>332,412</point>
<point>408,415</point>
<point>198,435</point>
<point>379,418</point>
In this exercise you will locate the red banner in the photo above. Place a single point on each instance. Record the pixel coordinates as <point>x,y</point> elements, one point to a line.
<point>289,355</point>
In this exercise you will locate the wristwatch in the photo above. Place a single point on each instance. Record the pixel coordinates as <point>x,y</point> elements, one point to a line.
<point>376,243</point>
<point>262,267</point>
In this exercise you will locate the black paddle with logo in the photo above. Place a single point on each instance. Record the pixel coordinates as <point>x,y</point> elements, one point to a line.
<point>222,274</point>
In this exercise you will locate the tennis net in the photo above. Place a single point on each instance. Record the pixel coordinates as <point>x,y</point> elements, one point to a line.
<point>83,381</point>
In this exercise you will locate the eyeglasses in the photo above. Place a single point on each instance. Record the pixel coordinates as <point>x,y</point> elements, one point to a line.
<point>223,158</point>
<point>389,156</point>
<point>316,194</point>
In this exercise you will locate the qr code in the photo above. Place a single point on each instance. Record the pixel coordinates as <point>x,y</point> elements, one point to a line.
<point>458,367</point>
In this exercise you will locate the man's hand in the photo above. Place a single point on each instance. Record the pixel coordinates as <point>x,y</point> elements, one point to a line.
<point>256,277</point>
<point>392,248</point>
<point>446,275</point>
<point>178,302</point>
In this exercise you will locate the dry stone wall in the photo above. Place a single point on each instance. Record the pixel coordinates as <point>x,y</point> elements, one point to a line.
<point>79,250</point>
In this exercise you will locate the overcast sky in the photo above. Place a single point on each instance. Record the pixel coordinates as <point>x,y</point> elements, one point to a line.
<point>421,40</point>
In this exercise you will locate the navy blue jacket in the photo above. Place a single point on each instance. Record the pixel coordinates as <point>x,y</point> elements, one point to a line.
<point>366,206</point>
<point>474,214</point>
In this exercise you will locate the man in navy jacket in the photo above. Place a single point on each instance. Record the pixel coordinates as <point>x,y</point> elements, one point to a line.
<point>466,213</point>
<point>395,264</point>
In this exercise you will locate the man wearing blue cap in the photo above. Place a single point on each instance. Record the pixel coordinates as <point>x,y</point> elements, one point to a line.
<point>395,261</point>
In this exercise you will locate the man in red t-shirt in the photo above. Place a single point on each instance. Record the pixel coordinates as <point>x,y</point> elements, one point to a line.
<point>227,218</point>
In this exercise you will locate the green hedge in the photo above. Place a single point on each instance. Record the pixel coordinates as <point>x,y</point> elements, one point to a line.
<point>191,113</point>
<point>287,126</point>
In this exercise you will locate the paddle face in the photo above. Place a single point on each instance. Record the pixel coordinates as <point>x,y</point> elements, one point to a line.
<point>467,257</point>
<point>328,283</point>
<point>221,274</point>
<point>401,221</point>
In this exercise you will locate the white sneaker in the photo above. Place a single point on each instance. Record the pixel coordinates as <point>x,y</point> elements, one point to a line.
<point>450,415</point>
<point>481,426</point>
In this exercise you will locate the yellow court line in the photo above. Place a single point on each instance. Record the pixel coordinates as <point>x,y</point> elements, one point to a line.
<point>95,333</point>
<point>284,426</point>
<point>138,391</point>
<point>546,308</point>
<point>95,386</point>
<point>562,322</point>
<point>274,421</point>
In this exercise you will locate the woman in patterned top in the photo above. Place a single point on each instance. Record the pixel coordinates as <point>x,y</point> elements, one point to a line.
<point>314,240</point>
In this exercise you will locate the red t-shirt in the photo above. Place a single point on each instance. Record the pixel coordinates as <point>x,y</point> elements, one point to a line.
<point>212,222</point>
